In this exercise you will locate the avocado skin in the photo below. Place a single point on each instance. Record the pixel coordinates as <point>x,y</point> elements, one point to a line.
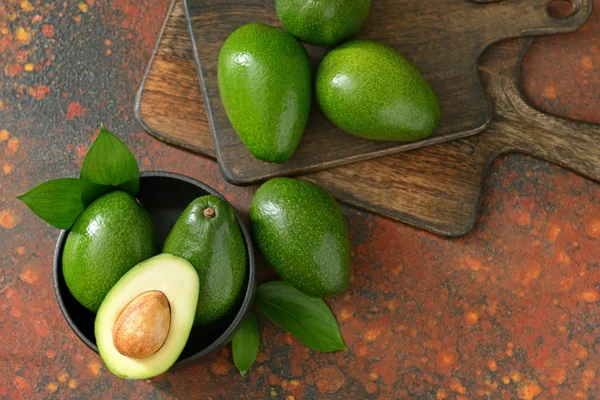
<point>216,249</point>
<point>323,22</point>
<point>369,90</point>
<point>265,83</point>
<point>302,233</point>
<point>111,236</point>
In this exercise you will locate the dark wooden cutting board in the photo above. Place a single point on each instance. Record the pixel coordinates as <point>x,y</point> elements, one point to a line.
<point>437,188</point>
<point>444,39</point>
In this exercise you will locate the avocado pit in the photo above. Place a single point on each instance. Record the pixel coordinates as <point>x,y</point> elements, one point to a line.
<point>142,327</point>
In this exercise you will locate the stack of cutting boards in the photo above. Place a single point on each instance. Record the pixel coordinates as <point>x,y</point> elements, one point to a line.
<point>433,184</point>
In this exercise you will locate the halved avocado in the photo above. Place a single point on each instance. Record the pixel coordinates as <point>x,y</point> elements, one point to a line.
<point>145,320</point>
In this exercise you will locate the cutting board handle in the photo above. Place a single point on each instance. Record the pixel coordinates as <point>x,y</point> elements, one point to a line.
<point>572,144</point>
<point>531,17</point>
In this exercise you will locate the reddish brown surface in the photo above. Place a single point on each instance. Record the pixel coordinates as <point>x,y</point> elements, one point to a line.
<point>511,310</point>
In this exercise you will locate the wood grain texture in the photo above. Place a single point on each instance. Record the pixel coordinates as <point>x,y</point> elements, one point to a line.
<point>444,39</point>
<point>437,188</point>
<point>173,71</point>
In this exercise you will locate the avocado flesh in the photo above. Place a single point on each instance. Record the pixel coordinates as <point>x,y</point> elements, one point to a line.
<point>208,236</point>
<point>112,235</point>
<point>301,231</point>
<point>177,280</point>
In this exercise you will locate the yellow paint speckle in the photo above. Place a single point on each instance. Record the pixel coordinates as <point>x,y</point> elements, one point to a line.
<point>524,218</point>
<point>29,276</point>
<point>23,35</point>
<point>4,135</point>
<point>588,377</point>
<point>445,358</point>
<point>29,67</point>
<point>372,334</point>
<point>95,367</point>
<point>220,367</point>
<point>289,339</point>
<point>21,382</point>
<point>553,233</point>
<point>550,92</point>
<point>591,295</point>
<point>586,62</point>
<point>471,318</point>
<point>472,263</point>
<point>73,384</point>
<point>457,386</point>
<point>345,314</point>
<point>505,380</point>
<point>12,146</point>
<point>532,272</point>
<point>7,219</point>
<point>15,312</point>
<point>592,228</point>
<point>63,377</point>
<point>516,377</point>
<point>373,376</point>
<point>528,390</point>
<point>52,387</point>
<point>83,7</point>
<point>563,258</point>
<point>7,169</point>
<point>26,6</point>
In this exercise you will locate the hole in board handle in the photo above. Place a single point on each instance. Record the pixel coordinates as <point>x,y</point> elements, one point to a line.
<point>560,9</point>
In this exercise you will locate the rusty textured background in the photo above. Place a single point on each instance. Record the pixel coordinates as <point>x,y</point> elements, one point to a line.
<point>510,311</point>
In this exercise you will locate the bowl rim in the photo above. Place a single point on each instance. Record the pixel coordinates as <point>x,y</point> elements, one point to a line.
<point>245,306</point>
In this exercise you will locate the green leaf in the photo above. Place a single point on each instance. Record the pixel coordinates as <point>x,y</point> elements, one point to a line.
<point>60,201</point>
<point>110,162</point>
<point>245,344</point>
<point>307,318</point>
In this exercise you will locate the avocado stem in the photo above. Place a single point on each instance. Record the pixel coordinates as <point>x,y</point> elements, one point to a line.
<point>208,212</point>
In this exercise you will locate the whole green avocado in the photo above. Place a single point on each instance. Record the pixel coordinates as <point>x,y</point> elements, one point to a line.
<point>208,236</point>
<point>323,22</point>
<point>369,90</point>
<point>265,83</point>
<point>111,236</point>
<point>302,233</point>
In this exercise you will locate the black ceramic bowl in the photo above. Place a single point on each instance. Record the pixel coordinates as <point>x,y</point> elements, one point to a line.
<point>165,195</point>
